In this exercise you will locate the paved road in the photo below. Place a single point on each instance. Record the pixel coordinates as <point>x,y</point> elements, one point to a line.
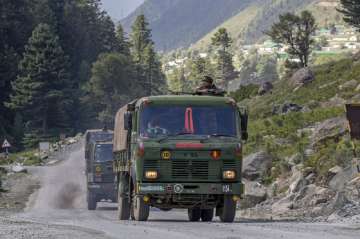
<point>58,211</point>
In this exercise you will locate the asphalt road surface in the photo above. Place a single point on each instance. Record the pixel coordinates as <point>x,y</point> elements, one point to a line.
<point>58,210</point>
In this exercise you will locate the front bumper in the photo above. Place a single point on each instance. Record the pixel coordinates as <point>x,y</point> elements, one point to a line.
<point>191,188</point>
<point>103,190</point>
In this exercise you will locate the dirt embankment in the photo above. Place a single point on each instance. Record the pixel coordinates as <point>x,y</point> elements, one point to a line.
<point>17,189</point>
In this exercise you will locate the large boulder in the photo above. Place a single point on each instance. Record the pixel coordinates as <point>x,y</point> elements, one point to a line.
<point>330,128</point>
<point>286,108</point>
<point>256,165</point>
<point>349,85</point>
<point>255,193</point>
<point>302,77</point>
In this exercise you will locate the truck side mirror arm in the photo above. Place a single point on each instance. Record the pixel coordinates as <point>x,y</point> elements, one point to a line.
<point>127,121</point>
<point>244,117</point>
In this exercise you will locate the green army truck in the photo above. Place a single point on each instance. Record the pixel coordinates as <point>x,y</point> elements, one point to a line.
<point>179,152</point>
<point>93,135</point>
<point>101,183</point>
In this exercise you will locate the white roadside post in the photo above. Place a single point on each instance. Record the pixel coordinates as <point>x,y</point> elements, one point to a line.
<point>6,145</point>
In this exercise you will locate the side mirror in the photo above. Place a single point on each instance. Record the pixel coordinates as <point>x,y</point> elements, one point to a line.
<point>244,117</point>
<point>127,121</point>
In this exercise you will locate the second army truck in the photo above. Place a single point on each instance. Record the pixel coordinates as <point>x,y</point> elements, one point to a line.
<point>179,152</point>
<point>101,183</point>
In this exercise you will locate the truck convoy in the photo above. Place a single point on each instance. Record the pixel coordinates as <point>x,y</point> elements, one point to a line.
<point>179,151</point>
<point>101,183</point>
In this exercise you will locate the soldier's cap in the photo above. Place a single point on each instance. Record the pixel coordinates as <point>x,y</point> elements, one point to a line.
<point>208,79</point>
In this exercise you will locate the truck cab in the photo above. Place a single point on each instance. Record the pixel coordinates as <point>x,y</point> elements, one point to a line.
<point>179,152</point>
<point>101,183</point>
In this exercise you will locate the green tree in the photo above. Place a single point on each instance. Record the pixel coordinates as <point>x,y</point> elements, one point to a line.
<point>351,11</point>
<point>123,45</point>
<point>39,92</point>
<point>266,68</point>
<point>225,70</point>
<point>199,67</point>
<point>295,32</point>
<point>177,80</point>
<point>15,28</point>
<point>148,66</point>
<point>111,85</point>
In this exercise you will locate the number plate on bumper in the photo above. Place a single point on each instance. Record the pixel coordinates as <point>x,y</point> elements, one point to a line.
<point>191,188</point>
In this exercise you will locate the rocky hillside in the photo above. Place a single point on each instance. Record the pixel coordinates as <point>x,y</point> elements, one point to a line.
<point>249,25</point>
<point>179,23</point>
<point>300,155</point>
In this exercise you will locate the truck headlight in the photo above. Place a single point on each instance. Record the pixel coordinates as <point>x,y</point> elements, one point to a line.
<point>151,174</point>
<point>229,174</point>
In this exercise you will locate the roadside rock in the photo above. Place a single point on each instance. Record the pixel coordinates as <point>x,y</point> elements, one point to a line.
<point>330,128</point>
<point>286,108</point>
<point>348,84</point>
<point>336,101</point>
<point>266,87</point>
<point>255,193</point>
<point>18,169</point>
<point>302,77</point>
<point>256,165</point>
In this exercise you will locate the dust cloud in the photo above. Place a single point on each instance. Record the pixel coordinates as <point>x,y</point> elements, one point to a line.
<point>63,186</point>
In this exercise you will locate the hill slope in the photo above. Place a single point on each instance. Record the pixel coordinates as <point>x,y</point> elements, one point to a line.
<point>248,26</point>
<point>179,23</point>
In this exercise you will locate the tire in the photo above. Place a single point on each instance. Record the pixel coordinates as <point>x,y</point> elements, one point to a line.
<point>123,200</point>
<point>91,202</point>
<point>194,214</point>
<point>207,215</point>
<point>140,210</point>
<point>165,209</point>
<point>228,210</point>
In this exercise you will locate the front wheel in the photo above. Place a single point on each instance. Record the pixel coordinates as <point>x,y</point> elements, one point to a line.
<point>228,210</point>
<point>91,202</point>
<point>194,214</point>
<point>140,210</point>
<point>123,199</point>
<point>207,215</point>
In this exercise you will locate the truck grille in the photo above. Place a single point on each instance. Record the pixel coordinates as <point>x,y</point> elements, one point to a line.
<point>189,169</point>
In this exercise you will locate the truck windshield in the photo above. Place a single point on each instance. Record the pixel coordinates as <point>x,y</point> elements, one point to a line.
<point>103,136</point>
<point>104,152</point>
<point>158,121</point>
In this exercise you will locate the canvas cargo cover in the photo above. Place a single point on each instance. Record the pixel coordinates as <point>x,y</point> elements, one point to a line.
<point>120,134</point>
<point>353,116</point>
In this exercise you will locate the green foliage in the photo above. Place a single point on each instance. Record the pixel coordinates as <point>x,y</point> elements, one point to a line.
<point>295,32</point>
<point>147,64</point>
<point>40,88</point>
<point>245,92</point>
<point>351,11</point>
<point>112,85</point>
<point>225,70</point>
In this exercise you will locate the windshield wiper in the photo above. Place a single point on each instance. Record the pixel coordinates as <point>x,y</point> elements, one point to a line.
<point>218,136</point>
<point>222,135</point>
<point>173,135</point>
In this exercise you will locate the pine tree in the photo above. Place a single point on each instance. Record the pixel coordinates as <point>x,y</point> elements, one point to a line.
<point>199,67</point>
<point>15,28</point>
<point>225,68</point>
<point>140,38</point>
<point>39,92</point>
<point>123,45</point>
<point>295,32</point>
<point>351,11</point>
<point>111,85</point>
<point>148,66</point>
